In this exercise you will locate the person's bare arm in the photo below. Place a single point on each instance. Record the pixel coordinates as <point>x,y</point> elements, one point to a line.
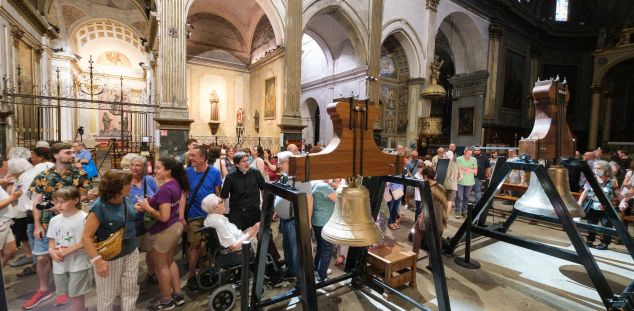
<point>90,228</point>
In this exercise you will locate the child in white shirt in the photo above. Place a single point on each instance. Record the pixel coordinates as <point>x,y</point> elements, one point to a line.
<point>228,234</point>
<point>71,266</point>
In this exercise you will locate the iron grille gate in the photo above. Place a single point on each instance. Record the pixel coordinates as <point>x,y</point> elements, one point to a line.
<point>41,113</point>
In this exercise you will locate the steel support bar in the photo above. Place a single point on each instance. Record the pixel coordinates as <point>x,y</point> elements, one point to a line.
<point>610,212</point>
<point>435,256</point>
<point>581,225</point>
<point>535,246</point>
<point>304,248</point>
<point>585,257</point>
<point>244,282</point>
<point>396,292</point>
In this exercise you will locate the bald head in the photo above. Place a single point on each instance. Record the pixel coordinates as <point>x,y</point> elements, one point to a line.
<point>292,148</point>
<point>588,156</point>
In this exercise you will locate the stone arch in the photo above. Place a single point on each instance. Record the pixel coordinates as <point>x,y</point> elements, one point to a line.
<point>308,111</point>
<point>327,53</point>
<point>272,13</point>
<point>345,15</point>
<point>601,70</point>
<point>406,36</point>
<point>93,29</point>
<point>467,43</point>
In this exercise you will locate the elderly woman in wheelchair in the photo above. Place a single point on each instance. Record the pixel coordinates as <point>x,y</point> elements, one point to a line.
<point>223,242</point>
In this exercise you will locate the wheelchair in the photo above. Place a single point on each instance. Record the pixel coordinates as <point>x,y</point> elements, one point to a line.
<point>223,270</point>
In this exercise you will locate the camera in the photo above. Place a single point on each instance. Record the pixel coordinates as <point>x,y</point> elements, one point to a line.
<point>46,203</point>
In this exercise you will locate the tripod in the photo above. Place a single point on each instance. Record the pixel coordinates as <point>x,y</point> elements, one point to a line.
<point>112,147</point>
<point>80,132</point>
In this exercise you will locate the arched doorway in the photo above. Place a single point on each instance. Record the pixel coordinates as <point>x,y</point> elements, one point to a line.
<point>617,104</point>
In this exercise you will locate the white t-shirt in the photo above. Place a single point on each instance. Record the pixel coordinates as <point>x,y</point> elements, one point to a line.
<point>6,213</point>
<point>67,232</point>
<point>416,190</point>
<point>449,155</point>
<point>227,232</point>
<point>24,201</point>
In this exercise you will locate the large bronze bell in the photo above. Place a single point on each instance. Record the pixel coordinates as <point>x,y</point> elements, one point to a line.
<point>535,201</point>
<point>351,223</point>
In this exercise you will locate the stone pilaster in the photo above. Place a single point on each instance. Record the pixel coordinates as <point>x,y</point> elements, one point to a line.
<point>495,33</point>
<point>473,87</point>
<point>594,117</point>
<point>291,124</point>
<point>608,99</point>
<point>374,49</point>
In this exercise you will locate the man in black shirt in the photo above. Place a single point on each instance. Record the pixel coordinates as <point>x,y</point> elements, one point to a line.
<point>243,187</point>
<point>484,166</point>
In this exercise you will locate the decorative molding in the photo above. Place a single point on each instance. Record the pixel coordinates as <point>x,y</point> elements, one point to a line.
<point>348,75</point>
<point>269,58</point>
<point>172,32</point>
<point>471,84</point>
<point>433,5</point>
<point>38,52</point>
<point>33,16</point>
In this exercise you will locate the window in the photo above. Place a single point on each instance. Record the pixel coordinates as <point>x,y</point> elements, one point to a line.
<point>561,11</point>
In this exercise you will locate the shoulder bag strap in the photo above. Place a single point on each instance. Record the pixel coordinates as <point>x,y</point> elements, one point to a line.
<point>125,221</point>
<point>144,187</point>
<point>193,195</point>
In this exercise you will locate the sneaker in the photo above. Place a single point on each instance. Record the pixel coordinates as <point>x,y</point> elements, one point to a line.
<point>36,299</point>
<point>457,214</point>
<point>161,306</point>
<point>192,285</point>
<point>178,300</point>
<point>464,214</point>
<point>61,300</point>
<point>329,272</point>
<point>22,261</point>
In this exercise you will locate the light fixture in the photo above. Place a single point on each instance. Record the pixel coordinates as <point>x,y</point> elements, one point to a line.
<point>435,90</point>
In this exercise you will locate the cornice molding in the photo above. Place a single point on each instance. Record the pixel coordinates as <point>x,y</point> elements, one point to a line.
<point>35,18</point>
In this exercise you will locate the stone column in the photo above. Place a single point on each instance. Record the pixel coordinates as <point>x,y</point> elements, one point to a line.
<point>432,11</point>
<point>495,33</point>
<point>594,117</point>
<point>374,49</point>
<point>291,124</point>
<point>173,118</point>
<point>607,116</point>
<point>415,88</point>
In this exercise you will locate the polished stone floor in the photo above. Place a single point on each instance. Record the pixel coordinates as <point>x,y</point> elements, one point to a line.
<point>511,278</point>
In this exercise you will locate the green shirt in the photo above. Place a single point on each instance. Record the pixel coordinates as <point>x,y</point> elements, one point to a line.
<point>322,205</point>
<point>467,178</point>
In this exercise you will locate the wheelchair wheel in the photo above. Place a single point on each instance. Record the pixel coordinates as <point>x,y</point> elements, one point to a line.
<point>208,278</point>
<point>222,298</point>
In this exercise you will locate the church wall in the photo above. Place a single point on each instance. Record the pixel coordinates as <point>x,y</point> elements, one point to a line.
<point>232,87</point>
<point>270,68</point>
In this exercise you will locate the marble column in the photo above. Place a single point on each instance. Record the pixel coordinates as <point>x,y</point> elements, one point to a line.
<point>495,33</point>
<point>291,124</point>
<point>594,117</point>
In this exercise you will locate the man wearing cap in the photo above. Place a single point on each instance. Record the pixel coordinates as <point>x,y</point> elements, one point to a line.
<point>484,168</point>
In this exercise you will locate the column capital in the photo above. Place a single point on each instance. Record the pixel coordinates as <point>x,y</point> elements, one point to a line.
<point>433,5</point>
<point>596,89</point>
<point>495,31</point>
<point>38,52</point>
<point>17,33</point>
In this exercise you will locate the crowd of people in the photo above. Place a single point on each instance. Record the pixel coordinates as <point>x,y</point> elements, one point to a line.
<point>64,226</point>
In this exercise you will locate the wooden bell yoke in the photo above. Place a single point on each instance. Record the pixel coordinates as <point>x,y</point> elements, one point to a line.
<point>352,151</point>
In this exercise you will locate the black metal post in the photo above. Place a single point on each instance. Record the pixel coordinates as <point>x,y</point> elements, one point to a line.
<point>305,253</point>
<point>467,262</point>
<point>244,284</point>
<point>262,248</point>
<point>3,294</point>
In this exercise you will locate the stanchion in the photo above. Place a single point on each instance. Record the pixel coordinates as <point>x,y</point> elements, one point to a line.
<point>467,262</point>
<point>244,283</point>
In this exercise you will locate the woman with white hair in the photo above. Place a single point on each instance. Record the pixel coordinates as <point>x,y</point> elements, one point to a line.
<point>595,212</point>
<point>17,167</point>
<point>143,186</point>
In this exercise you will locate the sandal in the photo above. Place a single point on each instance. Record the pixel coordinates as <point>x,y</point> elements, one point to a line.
<point>392,226</point>
<point>26,272</point>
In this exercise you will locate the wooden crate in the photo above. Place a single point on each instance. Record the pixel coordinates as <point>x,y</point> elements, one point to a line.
<point>393,264</point>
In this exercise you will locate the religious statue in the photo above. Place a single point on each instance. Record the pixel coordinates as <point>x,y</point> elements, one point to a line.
<point>240,117</point>
<point>435,69</point>
<point>214,100</point>
<point>106,122</point>
<point>256,120</point>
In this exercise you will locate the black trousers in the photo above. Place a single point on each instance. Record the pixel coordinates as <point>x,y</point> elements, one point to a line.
<point>594,217</point>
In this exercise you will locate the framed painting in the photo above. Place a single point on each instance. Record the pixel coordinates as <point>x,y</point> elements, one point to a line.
<point>269,99</point>
<point>466,121</point>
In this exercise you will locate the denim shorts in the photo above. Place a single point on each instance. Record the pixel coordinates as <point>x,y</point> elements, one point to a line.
<point>40,246</point>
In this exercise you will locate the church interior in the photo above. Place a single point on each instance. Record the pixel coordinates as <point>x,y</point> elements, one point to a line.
<point>144,76</point>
